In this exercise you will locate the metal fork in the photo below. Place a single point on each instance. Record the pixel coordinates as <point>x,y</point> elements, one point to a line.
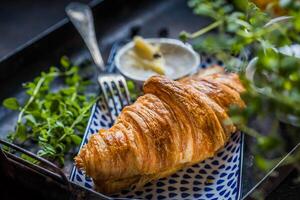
<point>111,84</point>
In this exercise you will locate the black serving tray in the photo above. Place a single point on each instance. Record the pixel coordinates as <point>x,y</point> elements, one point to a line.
<point>115,21</point>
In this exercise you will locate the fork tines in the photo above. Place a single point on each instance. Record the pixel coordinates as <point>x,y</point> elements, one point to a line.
<point>114,90</point>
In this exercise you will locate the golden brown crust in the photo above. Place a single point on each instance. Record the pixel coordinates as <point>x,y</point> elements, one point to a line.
<point>175,124</point>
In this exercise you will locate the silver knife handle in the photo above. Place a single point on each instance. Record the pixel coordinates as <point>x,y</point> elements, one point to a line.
<point>82,18</point>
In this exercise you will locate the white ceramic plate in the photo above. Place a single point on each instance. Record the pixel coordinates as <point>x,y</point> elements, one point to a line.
<point>214,178</point>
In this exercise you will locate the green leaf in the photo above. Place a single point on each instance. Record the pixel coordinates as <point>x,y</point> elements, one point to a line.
<point>76,139</point>
<point>30,118</point>
<point>11,103</point>
<point>65,62</point>
<point>183,36</point>
<point>264,163</point>
<point>268,143</point>
<point>29,159</point>
<point>54,106</point>
<point>49,149</point>
<point>59,124</point>
<point>130,85</point>
<point>241,4</point>
<point>60,148</point>
<point>21,132</point>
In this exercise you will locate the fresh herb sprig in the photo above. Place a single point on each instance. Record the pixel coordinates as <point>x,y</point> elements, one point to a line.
<point>53,120</point>
<point>240,25</point>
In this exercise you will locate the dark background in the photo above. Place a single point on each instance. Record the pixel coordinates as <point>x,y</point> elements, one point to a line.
<point>21,20</point>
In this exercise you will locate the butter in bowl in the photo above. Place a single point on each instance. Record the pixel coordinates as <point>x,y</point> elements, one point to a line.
<point>142,58</point>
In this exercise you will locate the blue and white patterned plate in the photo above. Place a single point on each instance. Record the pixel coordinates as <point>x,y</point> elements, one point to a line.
<point>215,178</point>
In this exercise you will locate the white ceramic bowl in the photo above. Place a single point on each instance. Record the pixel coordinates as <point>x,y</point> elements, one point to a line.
<point>167,46</point>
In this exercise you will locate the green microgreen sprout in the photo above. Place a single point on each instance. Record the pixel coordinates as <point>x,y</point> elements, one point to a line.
<point>53,120</point>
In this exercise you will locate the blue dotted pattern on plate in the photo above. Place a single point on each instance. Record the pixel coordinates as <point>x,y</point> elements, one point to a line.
<point>215,178</point>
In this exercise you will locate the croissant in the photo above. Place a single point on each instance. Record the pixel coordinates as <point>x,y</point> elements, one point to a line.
<point>173,125</point>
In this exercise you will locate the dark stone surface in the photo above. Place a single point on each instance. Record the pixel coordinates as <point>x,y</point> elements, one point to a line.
<point>22,20</point>
<point>289,189</point>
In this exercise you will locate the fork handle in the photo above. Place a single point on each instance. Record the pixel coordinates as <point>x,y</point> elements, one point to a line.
<point>82,18</point>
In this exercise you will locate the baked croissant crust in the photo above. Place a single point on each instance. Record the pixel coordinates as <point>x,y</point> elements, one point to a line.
<point>173,125</point>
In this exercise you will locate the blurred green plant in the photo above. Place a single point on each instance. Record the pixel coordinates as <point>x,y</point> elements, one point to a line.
<point>275,90</point>
<point>133,90</point>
